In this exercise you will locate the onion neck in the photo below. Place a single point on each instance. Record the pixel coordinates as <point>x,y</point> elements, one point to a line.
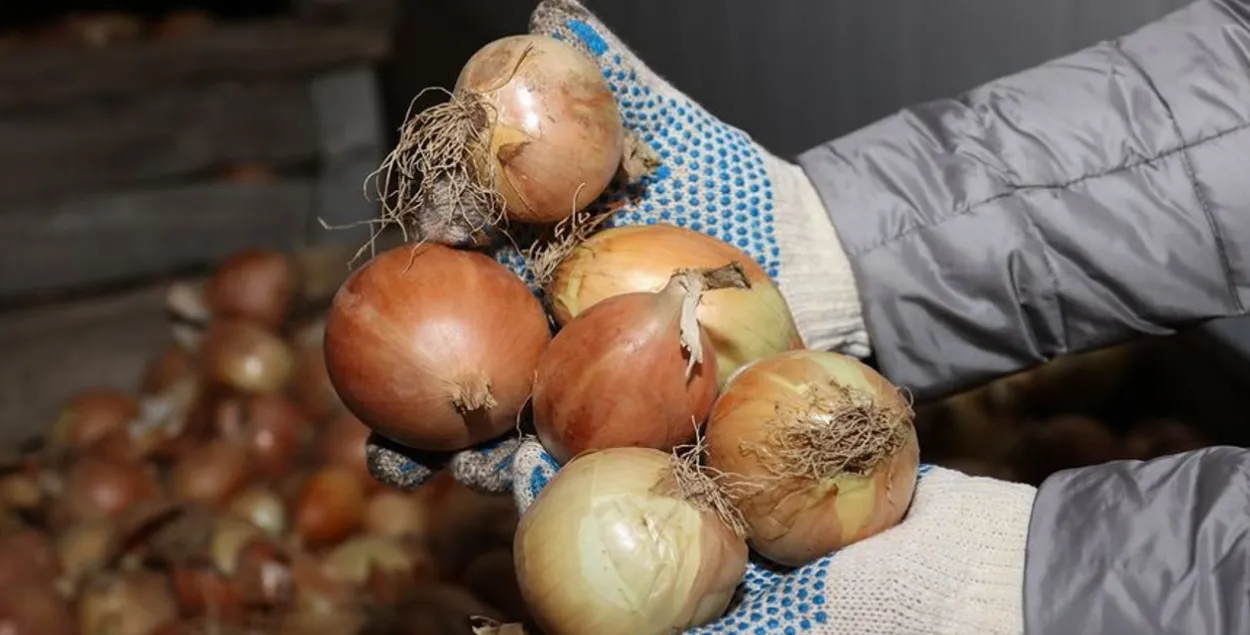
<point>689,285</point>
<point>472,394</point>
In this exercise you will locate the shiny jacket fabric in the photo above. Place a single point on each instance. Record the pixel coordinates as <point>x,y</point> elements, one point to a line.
<point>1098,197</point>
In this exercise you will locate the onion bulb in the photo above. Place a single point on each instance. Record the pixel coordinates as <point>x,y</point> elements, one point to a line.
<point>35,610</point>
<point>246,357</point>
<point>627,541</point>
<point>27,556</point>
<point>94,488</point>
<point>821,449</point>
<point>257,285</point>
<point>262,507</point>
<point>531,130</point>
<point>435,348</point>
<point>211,473</point>
<point>360,557</point>
<point>330,507</point>
<point>130,603</point>
<point>397,515</point>
<point>91,415</point>
<point>84,547</point>
<point>634,370</point>
<point>743,324</point>
<point>344,442</point>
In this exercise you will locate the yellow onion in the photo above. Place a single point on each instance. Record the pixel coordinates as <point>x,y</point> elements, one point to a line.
<point>821,451</point>
<point>615,545</point>
<point>743,325</point>
<point>635,370</point>
<point>532,129</point>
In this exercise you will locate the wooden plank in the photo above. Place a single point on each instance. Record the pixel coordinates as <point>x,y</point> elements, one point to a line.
<point>126,236</point>
<point>177,132</point>
<point>52,353</point>
<point>349,115</point>
<point>238,53</point>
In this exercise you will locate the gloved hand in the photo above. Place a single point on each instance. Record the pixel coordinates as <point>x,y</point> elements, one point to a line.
<point>714,179</point>
<point>954,566</point>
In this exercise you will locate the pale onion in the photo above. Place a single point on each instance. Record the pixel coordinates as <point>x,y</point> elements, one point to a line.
<point>611,546</point>
<point>531,127</point>
<point>634,370</point>
<point>126,603</point>
<point>262,507</point>
<point>434,347</point>
<point>821,451</point>
<point>743,324</point>
<point>360,557</point>
<point>84,547</point>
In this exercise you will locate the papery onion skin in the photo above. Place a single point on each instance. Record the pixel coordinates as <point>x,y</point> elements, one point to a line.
<point>433,347</point>
<point>603,550</point>
<point>616,377</point>
<point>743,325</point>
<point>795,520</point>
<point>557,137</point>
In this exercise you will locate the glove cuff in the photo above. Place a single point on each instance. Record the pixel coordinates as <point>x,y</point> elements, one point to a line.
<point>815,275</point>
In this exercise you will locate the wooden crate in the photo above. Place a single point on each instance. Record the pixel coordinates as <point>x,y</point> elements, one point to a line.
<point>108,158</point>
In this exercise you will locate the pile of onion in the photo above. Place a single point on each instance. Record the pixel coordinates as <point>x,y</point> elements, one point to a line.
<point>434,347</point>
<point>628,541</point>
<point>531,131</point>
<point>743,324</point>
<point>634,370</point>
<point>821,452</point>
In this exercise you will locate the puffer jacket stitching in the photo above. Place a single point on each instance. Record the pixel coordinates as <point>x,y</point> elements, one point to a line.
<point>1187,163</point>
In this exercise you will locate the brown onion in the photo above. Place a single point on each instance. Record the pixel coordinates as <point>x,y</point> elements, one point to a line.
<point>91,415</point>
<point>270,426</point>
<point>743,324</point>
<point>396,514</point>
<point>316,592</point>
<point>27,557</point>
<point>634,370</point>
<point>166,370</point>
<point>211,473</point>
<point>95,488</point>
<point>20,491</point>
<point>330,507</point>
<point>84,547</point>
<point>262,507</point>
<point>34,610</point>
<point>434,347</point>
<point>657,562</point>
<point>257,285</point>
<point>822,451</point>
<point>531,124</point>
<point>130,603</point>
<point>343,442</point>
<point>246,357</point>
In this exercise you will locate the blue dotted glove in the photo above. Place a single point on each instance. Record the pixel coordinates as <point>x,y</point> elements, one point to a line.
<point>954,566</point>
<point>713,178</point>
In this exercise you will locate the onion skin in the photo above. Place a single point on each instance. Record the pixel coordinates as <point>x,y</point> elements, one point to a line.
<point>256,285</point>
<point>95,488</point>
<point>743,325</point>
<point>433,347</point>
<point>796,520</point>
<point>330,507</point>
<point>93,414</point>
<point>34,610</point>
<point>557,138</point>
<point>600,551</point>
<point>616,377</point>
<point>211,473</point>
<point>27,557</point>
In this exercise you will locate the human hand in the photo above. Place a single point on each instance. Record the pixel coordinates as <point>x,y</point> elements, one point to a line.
<point>954,566</point>
<point>713,178</point>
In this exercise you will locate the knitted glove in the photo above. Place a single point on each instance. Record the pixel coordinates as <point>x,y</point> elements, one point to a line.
<point>954,566</point>
<point>714,179</point>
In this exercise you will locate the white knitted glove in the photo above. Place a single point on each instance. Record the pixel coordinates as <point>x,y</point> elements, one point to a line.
<point>954,566</point>
<point>713,178</point>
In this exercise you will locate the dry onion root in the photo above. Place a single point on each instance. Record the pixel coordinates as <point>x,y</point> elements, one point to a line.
<point>820,452</point>
<point>629,541</point>
<point>744,324</point>
<point>531,132</point>
<point>433,347</point>
<point>634,370</point>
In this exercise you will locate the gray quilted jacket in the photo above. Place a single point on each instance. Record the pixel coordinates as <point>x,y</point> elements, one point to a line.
<point>1098,197</point>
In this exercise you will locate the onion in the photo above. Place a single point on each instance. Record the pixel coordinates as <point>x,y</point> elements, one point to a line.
<point>311,388</point>
<point>131,603</point>
<point>20,491</point>
<point>316,592</point>
<point>95,488</point>
<point>91,415</point>
<point>343,443</point>
<point>330,507</point>
<point>619,542</point>
<point>361,557</point>
<point>165,371</point>
<point>821,449</point>
<point>743,324</point>
<point>34,610</point>
<point>262,507</point>
<point>256,285</point>
<point>634,370</point>
<point>211,473</point>
<point>396,514</point>
<point>271,427</point>
<point>84,547</point>
<point>532,129</point>
<point>27,557</point>
<point>433,347</point>
<point>246,357</point>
